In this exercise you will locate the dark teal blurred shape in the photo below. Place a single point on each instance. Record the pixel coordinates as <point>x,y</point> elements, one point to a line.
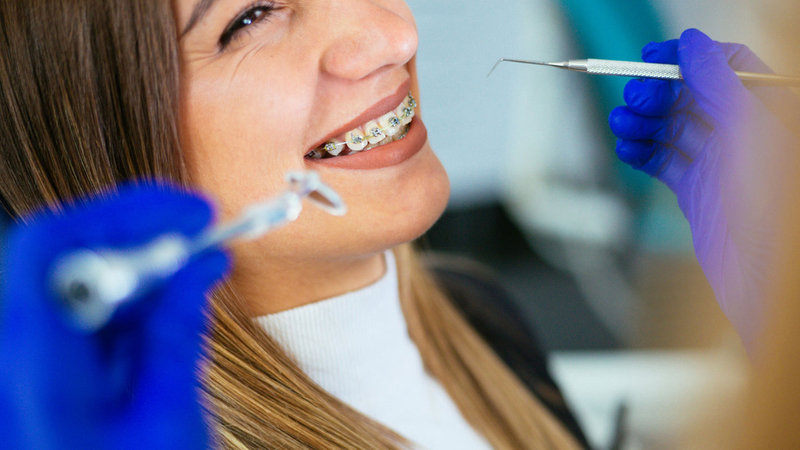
<point>617,30</point>
<point>614,29</point>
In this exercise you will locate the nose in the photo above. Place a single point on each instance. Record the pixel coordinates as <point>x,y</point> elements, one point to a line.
<point>372,36</point>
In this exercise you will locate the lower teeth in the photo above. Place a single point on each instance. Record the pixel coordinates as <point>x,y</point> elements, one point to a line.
<point>403,133</point>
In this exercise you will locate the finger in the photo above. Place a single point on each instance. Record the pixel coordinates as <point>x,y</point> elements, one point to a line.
<point>627,125</point>
<point>661,52</point>
<point>740,57</point>
<point>138,215</point>
<point>662,162</point>
<point>715,86</point>
<point>667,53</point>
<point>649,97</point>
<point>635,153</point>
<point>684,132</point>
<point>780,101</point>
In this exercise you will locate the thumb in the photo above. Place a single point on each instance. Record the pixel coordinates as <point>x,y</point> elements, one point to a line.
<point>715,87</point>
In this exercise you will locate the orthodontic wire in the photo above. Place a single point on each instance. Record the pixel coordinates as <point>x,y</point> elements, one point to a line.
<point>412,104</point>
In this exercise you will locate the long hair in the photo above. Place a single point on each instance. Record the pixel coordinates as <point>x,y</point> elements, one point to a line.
<point>90,98</point>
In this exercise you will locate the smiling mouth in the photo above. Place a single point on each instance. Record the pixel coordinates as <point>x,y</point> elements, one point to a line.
<point>384,130</point>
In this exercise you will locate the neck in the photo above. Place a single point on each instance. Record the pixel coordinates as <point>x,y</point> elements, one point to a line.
<point>276,286</point>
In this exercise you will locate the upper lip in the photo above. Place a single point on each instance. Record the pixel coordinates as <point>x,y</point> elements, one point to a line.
<point>386,105</point>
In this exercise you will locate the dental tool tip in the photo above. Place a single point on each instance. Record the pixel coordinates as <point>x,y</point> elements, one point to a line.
<point>495,67</point>
<point>560,65</point>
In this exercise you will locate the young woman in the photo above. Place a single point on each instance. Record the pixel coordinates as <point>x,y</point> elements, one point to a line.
<point>330,333</point>
<point>226,96</point>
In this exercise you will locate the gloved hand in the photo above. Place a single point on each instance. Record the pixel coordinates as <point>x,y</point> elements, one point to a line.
<point>725,151</point>
<point>131,385</point>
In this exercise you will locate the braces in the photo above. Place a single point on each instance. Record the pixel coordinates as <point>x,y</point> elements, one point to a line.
<point>376,132</point>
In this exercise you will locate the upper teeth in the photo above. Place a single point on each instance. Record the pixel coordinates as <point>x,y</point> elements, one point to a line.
<point>356,140</point>
<point>374,132</point>
<point>390,124</point>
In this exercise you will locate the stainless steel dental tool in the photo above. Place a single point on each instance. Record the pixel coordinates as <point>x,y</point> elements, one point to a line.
<point>647,70</point>
<point>93,283</point>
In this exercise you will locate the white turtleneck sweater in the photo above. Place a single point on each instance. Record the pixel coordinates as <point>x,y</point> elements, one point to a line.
<point>356,346</point>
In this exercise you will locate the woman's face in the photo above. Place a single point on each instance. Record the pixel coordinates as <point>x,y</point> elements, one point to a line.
<point>265,83</point>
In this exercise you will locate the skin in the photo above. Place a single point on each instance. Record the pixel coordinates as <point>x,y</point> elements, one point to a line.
<point>251,111</point>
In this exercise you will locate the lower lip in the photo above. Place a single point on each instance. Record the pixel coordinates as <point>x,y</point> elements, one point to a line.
<point>384,156</point>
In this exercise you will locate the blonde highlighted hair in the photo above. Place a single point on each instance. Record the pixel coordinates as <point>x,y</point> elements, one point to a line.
<point>259,398</point>
<point>89,99</point>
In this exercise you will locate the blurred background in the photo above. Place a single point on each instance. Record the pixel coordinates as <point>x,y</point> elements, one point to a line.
<point>598,256</point>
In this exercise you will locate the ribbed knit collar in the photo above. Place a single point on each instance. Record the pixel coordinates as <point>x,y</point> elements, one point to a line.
<point>354,345</point>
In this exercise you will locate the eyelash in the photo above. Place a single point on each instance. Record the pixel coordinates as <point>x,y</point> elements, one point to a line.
<point>238,24</point>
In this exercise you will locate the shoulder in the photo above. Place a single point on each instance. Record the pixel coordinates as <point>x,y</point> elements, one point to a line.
<point>493,313</point>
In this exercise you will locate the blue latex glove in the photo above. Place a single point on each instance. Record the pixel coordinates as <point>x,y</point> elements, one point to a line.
<point>132,385</point>
<point>725,151</point>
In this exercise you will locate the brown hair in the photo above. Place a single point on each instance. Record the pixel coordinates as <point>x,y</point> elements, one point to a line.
<point>90,99</point>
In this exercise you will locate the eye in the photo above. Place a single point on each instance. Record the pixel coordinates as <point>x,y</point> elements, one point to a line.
<point>253,14</point>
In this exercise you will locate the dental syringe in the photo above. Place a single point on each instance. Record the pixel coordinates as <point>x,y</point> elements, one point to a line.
<point>647,70</point>
<point>93,283</point>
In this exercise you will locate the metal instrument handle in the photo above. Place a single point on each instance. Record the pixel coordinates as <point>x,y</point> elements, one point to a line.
<point>673,72</point>
<point>634,69</point>
<point>93,283</point>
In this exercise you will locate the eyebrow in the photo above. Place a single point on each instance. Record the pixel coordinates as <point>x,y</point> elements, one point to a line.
<point>200,10</point>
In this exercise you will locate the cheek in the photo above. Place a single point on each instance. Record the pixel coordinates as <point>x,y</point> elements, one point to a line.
<point>237,143</point>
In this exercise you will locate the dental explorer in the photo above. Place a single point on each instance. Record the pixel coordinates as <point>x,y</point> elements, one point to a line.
<point>93,283</point>
<point>647,70</point>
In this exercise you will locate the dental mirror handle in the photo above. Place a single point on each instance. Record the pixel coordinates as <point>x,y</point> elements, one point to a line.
<point>256,221</point>
<point>92,284</point>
